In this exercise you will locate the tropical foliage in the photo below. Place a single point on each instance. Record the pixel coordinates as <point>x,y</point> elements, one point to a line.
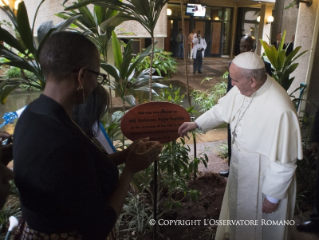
<point>23,51</point>
<point>96,25</point>
<point>207,99</point>
<point>146,12</point>
<point>125,83</point>
<point>283,65</point>
<point>163,63</point>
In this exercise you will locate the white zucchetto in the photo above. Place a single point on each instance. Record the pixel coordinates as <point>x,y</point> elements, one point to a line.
<point>249,60</point>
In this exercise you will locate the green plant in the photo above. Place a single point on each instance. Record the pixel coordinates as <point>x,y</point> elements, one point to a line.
<point>124,83</point>
<point>200,158</point>
<point>146,12</point>
<point>170,94</point>
<point>222,151</point>
<point>283,65</point>
<point>97,25</point>
<point>135,216</point>
<point>163,63</point>
<point>23,51</point>
<point>206,100</point>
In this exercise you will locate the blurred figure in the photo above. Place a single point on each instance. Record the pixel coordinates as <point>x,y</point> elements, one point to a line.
<point>312,225</point>
<point>198,52</point>
<point>180,44</point>
<point>5,173</point>
<point>290,47</point>
<point>190,42</point>
<point>278,40</point>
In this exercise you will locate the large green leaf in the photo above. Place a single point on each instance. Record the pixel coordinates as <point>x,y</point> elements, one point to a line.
<point>116,51</point>
<point>271,52</point>
<point>127,58</point>
<point>11,40</point>
<point>115,21</point>
<point>110,69</point>
<point>282,42</point>
<point>24,28</point>
<point>8,11</point>
<point>99,14</point>
<point>62,26</point>
<point>6,92</point>
<point>6,53</point>
<point>20,64</point>
<point>142,7</point>
<point>145,53</point>
<point>145,89</point>
<point>130,99</point>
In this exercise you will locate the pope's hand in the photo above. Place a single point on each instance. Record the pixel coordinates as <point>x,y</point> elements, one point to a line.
<point>186,127</point>
<point>269,207</point>
<point>142,154</point>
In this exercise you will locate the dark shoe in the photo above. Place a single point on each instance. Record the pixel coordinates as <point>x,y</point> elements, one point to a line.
<point>199,72</point>
<point>307,226</point>
<point>224,173</point>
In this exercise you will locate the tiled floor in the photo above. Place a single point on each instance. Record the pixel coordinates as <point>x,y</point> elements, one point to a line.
<point>212,67</point>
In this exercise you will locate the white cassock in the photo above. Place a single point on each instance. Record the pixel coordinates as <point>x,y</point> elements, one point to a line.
<point>197,45</point>
<point>263,160</point>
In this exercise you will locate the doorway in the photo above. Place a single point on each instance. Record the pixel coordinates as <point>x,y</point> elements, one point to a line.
<point>212,32</point>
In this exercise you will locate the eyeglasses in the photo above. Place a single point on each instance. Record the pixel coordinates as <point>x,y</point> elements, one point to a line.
<point>101,78</point>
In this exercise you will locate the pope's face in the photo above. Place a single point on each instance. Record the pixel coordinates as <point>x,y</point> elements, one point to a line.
<point>242,83</point>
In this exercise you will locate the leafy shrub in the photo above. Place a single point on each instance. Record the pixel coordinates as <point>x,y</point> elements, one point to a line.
<point>207,99</point>
<point>163,63</point>
<point>135,217</point>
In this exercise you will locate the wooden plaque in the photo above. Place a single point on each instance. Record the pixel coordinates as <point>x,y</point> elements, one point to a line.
<point>157,120</point>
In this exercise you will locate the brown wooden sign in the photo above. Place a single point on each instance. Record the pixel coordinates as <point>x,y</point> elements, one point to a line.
<point>157,120</point>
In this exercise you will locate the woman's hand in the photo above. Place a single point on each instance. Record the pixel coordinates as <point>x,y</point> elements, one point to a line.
<point>142,154</point>
<point>6,153</point>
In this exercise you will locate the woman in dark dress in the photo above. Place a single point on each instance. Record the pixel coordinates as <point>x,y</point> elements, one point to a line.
<point>68,186</point>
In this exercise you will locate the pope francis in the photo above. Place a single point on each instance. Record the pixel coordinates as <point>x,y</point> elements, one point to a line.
<point>266,143</point>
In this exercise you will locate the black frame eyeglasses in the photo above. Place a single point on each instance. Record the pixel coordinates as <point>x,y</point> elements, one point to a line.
<point>101,77</point>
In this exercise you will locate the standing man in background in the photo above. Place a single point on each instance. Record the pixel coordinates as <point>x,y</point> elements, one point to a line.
<point>290,47</point>
<point>198,52</point>
<point>278,40</point>
<point>180,44</point>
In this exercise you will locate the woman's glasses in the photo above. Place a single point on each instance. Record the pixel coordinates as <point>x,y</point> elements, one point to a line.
<point>101,78</point>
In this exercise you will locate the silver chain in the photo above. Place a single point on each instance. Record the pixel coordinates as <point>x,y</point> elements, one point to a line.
<point>240,117</point>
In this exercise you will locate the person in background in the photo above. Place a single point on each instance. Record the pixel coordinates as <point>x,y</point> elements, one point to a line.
<point>68,186</point>
<point>247,44</point>
<point>290,47</point>
<point>278,40</point>
<point>312,225</point>
<point>198,52</point>
<point>5,173</point>
<point>180,44</point>
<point>266,143</point>
<point>190,42</point>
